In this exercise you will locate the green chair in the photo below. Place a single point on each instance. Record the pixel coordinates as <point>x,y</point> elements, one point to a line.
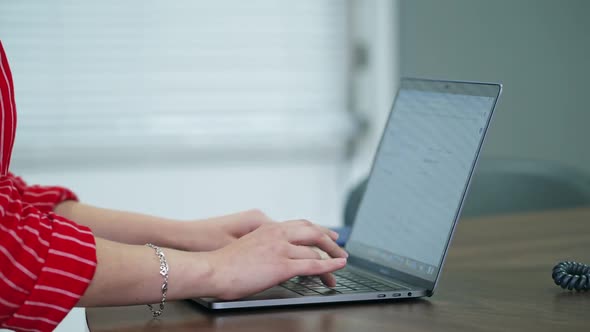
<point>501,186</point>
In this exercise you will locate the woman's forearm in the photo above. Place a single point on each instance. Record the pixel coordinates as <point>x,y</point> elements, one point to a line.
<point>274,252</point>
<point>135,228</point>
<point>124,227</point>
<point>129,274</point>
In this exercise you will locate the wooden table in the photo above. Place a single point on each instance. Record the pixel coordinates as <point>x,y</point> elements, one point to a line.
<point>497,278</point>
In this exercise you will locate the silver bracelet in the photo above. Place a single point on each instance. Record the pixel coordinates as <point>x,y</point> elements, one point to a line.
<point>164,273</point>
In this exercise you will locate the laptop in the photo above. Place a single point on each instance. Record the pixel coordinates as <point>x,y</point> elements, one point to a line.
<point>406,218</point>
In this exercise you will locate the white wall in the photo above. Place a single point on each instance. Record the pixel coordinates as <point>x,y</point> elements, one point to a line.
<point>539,49</point>
<point>291,181</point>
<point>374,75</point>
<point>285,189</point>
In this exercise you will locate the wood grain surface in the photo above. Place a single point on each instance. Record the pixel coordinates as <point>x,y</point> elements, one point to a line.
<point>497,278</point>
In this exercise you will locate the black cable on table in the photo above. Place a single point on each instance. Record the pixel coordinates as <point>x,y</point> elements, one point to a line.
<point>572,275</point>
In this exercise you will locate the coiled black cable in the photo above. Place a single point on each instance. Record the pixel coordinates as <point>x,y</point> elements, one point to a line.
<point>572,275</point>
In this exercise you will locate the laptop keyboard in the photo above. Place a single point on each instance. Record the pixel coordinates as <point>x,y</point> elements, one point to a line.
<point>346,283</point>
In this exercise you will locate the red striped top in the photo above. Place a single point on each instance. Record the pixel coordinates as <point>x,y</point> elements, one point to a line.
<point>46,261</point>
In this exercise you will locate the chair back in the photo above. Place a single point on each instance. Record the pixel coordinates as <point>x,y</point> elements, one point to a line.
<point>502,186</point>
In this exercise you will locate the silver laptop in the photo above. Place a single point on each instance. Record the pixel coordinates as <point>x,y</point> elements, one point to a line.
<point>417,186</point>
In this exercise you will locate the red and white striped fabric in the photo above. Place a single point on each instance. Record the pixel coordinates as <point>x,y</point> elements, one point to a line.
<point>46,261</point>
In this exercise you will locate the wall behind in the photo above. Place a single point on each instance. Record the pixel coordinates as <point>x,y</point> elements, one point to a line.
<point>538,49</point>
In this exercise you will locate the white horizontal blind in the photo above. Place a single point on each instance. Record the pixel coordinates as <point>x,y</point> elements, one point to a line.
<point>114,78</point>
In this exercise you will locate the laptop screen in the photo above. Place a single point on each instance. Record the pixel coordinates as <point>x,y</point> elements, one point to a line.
<point>420,175</point>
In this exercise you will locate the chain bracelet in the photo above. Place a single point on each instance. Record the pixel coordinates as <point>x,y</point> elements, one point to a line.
<point>164,273</point>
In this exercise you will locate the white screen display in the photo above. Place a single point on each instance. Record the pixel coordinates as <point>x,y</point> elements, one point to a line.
<point>418,179</point>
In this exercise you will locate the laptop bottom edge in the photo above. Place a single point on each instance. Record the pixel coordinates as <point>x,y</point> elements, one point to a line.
<point>216,304</point>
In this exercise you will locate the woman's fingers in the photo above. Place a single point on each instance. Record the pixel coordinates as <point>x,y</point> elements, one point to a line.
<point>303,252</point>
<point>310,235</point>
<point>333,235</point>
<point>312,267</point>
<point>303,222</point>
<point>328,279</point>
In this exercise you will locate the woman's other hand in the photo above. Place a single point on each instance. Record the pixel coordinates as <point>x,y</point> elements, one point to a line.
<point>218,232</point>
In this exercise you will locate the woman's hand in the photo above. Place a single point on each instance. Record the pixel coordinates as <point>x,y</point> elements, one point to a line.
<point>271,254</point>
<point>218,232</point>
<point>274,252</point>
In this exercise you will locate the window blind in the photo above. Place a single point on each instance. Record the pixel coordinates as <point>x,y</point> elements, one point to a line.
<point>121,78</point>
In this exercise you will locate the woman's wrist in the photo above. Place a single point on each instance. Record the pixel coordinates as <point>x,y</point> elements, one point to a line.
<point>187,235</point>
<point>173,234</point>
<point>130,274</point>
<point>216,232</point>
<point>198,277</point>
